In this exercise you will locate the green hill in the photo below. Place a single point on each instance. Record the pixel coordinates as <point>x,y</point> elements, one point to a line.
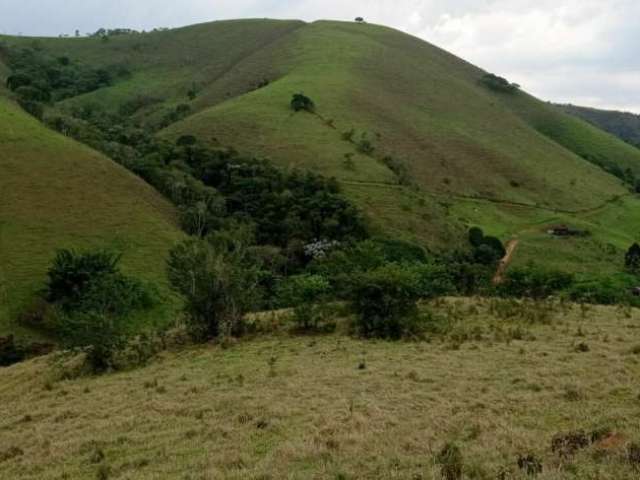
<point>460,153</point>
<point>56,193</point>
<point>624,125</point>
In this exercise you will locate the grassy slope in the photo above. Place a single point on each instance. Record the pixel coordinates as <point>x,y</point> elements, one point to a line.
<point>56,193</point>
<point>418,103</point>
<point>624,125</point>
<point>225,413</point>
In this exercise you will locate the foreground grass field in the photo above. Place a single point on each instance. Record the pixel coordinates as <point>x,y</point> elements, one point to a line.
<point>502,383</point>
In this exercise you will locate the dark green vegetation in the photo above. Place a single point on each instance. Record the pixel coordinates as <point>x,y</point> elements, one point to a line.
<point>623,125</point>
<point>92,303</point>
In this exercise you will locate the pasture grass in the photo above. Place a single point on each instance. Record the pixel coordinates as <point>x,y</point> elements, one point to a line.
<point>501,381</point>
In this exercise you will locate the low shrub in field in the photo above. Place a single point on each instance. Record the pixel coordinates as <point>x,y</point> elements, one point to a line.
<point>534,282</point>
<point>604,291</point>
<point>94,302</point>
<point>451,462</point>
<point>530,464</point>
<point>302,102</point>
<point>100,335</point>
<point>10,352</point>
<point>218,283</point>
<point>385,302</point>
<point>307,294</point>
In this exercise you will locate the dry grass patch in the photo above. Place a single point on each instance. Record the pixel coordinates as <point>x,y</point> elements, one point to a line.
<point>301,407</point>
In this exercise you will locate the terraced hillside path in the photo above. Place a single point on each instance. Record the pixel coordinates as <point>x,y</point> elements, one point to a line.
<point>506,260</point>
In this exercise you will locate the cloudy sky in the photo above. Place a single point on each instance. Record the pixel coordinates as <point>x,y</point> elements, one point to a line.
<point>578,51</point>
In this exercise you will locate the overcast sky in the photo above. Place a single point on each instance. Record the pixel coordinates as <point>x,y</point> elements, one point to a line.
<point>579,51</point>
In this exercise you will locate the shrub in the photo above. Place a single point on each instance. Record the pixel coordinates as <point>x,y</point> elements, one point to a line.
<point>603,291</point>
<point>218,284</point>
<point>71,274</point>
<point>307,294</point>
<point>451,462</point>
<point>400,169</point>
<point>94,302</point>
<point>632,259</point>
<point>99,335</point>
<point>434,280</point>
<point>530,464</point>
<point>476,235</point>
<point>535,282</point>
<point>302,102</point>
<point>10,352</point>
<point>499,84</point>
<point>364,145</point>
<point>487,250</point>
<point>633,455</point>
<point>385,302</point>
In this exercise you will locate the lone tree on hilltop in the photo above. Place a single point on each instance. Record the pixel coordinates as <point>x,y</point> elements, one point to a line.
<point>359,19</point>
<point>302,102</point>
<point>632,259</point>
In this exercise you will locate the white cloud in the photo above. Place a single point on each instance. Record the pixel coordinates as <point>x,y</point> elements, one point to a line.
<point>579,51</point>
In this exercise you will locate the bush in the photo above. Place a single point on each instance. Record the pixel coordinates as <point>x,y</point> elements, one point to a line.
<point>10,352</point>
<point>94,302</point>
<point>308,295</point>
<point>99,335</point>
<point>434,280</point>
<point>218,283</point>
<point>92,282</point>
<point>72,272</point>
<point>487,250</point>
<point>632,259</point>
<point>302,102</point>
<point>385,302</point>
<point>604,291</point>
<point>499,84</point>
<point>535,282</point>
<point>451,462</point>
<point>476,235</point>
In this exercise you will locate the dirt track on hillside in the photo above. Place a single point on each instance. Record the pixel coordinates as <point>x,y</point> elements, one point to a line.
<point>506,260</point>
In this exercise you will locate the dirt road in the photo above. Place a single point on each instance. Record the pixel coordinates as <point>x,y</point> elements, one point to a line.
<point>504,263</point>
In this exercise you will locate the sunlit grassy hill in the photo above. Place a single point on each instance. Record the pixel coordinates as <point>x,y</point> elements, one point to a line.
<point>507,162</point>
<point>624,125</point>
<point>56,193</point>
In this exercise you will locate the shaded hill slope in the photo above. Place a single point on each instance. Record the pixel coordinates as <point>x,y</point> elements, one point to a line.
<point>624,125</point>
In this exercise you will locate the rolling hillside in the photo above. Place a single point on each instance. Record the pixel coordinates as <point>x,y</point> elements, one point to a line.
<point>624,125</point>
<point>56,193</point>
<point>507,162</point>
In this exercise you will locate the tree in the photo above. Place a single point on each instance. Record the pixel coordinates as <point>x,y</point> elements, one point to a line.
<point>218,282</point>
<point>359,19</point>
<point>18,80</point>
<point>302,102</point>
<point>632,259</point>
<point>94,302</point>
<point>385,302</point>
<point>475,236</point>
<point>97,334</point>
<point>307,294</point>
